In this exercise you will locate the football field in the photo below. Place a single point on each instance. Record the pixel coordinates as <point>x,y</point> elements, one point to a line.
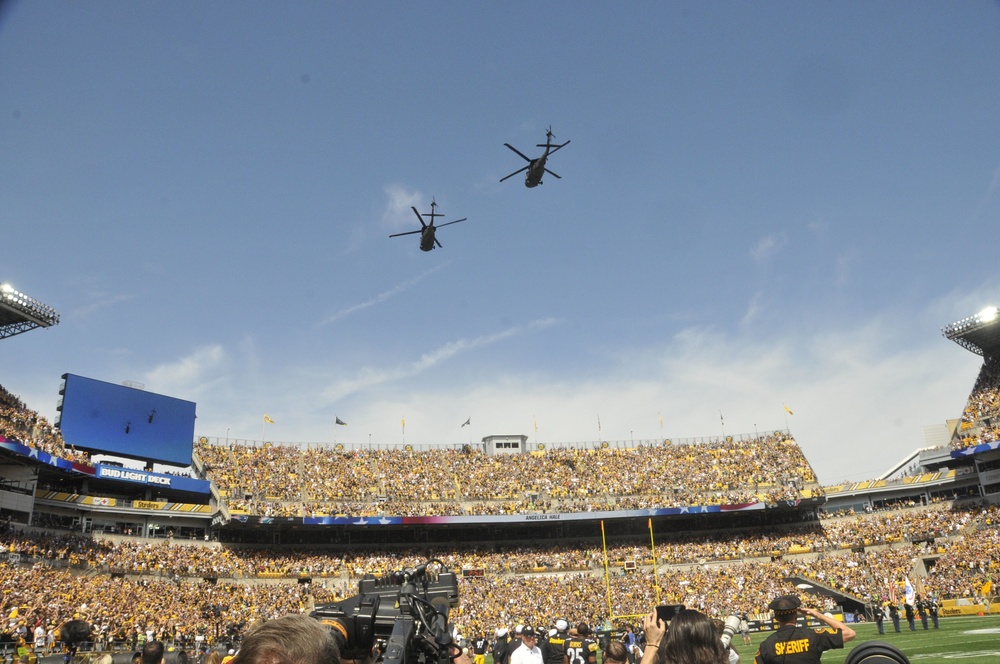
<point>965,640</point>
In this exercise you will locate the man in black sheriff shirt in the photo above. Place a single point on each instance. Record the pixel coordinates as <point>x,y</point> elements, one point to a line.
<point>791,644</point>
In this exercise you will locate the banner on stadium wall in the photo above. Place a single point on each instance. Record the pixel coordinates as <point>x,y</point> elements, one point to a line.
<point>45,457</point>
<point>494,519</point>
<point>173,482</point>
<point>104,471</point>
<point>976,449</point>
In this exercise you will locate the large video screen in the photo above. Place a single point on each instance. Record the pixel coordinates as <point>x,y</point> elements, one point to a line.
<point>104,418</point>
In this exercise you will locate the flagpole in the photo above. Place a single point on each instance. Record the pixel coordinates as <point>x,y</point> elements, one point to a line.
<point>652,547</point>
<point>607,576</point>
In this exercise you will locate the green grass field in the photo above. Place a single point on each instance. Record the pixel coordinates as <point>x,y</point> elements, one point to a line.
<point>969,640</point>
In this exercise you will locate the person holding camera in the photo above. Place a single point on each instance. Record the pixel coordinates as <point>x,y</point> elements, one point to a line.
<point>690,639</point>
<point>791,644</point>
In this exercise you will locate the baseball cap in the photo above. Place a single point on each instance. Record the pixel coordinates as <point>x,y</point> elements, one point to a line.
<point>528,631</point>
<point>562,625</point>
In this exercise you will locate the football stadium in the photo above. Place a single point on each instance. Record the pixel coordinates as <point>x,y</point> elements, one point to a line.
<point>102,556</point>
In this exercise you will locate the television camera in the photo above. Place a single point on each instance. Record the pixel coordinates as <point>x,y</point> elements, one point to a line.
<point>401,618</point>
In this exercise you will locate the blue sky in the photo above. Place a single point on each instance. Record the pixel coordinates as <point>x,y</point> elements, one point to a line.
<point>762,204</point>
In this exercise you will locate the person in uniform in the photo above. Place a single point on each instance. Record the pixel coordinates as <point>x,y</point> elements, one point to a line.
<point>554,647</point>
<point>879,619</point>
<point>921,607</point>
<point>932,608</point>
<point>501,647</point>
<point>479,645</point>
<point>894,614</point>
<point>910,615</point>
<point>581,649</point>
<point>791,644</point>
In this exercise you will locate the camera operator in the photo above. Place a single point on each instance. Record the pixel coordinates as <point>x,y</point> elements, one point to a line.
<point>791,644</point>
<point>732,656</point>
<point>691,639</point>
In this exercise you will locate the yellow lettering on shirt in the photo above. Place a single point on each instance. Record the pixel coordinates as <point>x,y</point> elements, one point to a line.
<point>791,647</point>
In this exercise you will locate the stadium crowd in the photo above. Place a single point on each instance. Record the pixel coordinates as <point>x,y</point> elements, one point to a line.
<point>44,593</point>
<point>20,423</point>
<point>574,582</point>
<point>982,410</point>
<point>287,480</point>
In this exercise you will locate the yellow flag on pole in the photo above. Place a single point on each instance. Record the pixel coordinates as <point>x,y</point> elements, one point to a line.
<point>267,419</point>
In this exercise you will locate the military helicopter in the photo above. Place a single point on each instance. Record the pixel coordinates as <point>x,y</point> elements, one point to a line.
<point>536,167</point>
<point>427,239</point>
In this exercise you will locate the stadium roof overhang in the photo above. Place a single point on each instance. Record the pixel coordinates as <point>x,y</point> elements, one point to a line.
<point>979,333</point>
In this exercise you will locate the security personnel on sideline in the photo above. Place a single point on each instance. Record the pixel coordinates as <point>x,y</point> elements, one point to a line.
<point>791,644</point>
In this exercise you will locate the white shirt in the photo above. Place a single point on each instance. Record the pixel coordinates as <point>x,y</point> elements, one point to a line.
<point>526,655</point>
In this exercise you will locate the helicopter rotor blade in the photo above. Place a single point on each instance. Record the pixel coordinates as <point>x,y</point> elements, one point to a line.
<point>553,174</point>
<point>556,148</point>
<point>407,233</point>
<point>451,222</point>
<point>438,243</point>
<point>422,224</point>
<point>515,173</point>
<point>519,153</point>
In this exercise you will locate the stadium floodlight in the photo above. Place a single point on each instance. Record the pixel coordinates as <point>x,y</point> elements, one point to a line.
<point>20,313</point>
<point>979,333</point>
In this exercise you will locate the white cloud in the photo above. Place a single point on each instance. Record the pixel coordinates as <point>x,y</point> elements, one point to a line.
<point>397,214</point>
<point>767,247</point>
<point>381,297</point>
<point>190,376</point>
<point>100,301</point>
<point>370,377</point>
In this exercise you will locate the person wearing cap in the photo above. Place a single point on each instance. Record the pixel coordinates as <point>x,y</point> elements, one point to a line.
<point>528,652</point>
<point>554,647</point>
<point>791,644</point>
<point>502,647</point>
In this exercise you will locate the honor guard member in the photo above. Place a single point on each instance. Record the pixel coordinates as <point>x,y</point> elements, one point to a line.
<point>879,614</point>
<point>922,611</point>
<point>894,615</point>
<point>479,645</point>
<point>791,644</point>
<point>932,608</point>
<point>910,615</point>
<point>554,647</point>
<point>581,649</point>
